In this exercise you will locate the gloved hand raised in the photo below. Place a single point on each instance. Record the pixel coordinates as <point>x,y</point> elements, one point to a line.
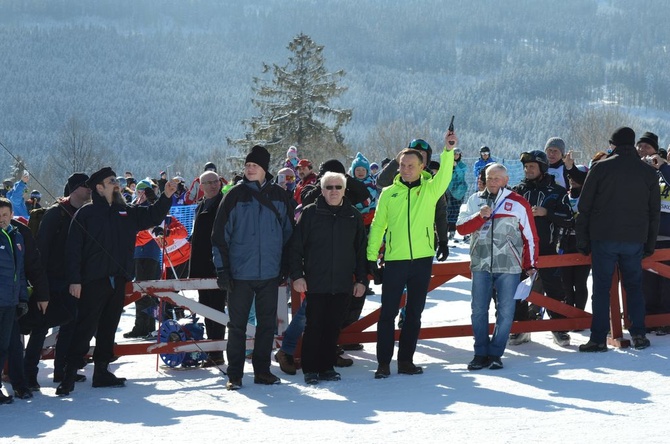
<point>375,272</point>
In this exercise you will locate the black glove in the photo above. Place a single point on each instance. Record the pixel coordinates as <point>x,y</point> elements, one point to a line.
<point>375,272</point>
<point>584,247</point>
<point>224,281</point>
<point>21,309</point>
<point>157,231</point>
<point>442,251</point>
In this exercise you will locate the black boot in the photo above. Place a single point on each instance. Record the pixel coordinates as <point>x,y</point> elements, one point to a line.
<point>67,384</point>
<point>104,378</point>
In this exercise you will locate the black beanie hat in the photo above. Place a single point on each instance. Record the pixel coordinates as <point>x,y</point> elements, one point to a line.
<point>332,165</point>
<point>623,136</point>
<point>260,156</point>
<point>99,176</point>
<point>75,181</point>
<point>650,138</point>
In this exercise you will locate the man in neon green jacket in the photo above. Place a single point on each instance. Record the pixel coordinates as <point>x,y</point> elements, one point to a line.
<point>406,214</point>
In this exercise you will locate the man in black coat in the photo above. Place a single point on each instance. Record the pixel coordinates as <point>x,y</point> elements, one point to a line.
<point>201,264</point>
<point>618,220</point>
<point>328,264</point>
<point>100,246</point>
<point>551,212</point>
<point>62,309</point>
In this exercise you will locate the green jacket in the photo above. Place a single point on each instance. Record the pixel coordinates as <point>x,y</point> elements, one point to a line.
<point>407,215</point>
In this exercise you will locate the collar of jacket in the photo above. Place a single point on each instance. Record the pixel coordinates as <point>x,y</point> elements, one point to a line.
<point>625,151</point>
<point>425,175</point>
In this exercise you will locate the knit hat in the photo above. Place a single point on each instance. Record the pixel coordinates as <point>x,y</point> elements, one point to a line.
<point>305,163</point>
<point>484,149</point>
<point>75,181</point>
<point>292,152</point>
<point>555,142</point>
<point>623,136</point>
<point>333,165</point>
<point>359,161</point>
<point>374,166</point>
<point>143,185</point>
<point>260,156</point>
<point>34,194</point>
<point>650,138</point>
<point>99,176</point>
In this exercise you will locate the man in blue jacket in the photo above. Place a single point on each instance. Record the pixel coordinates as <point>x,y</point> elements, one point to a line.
<point>252,226</point>
<point>13,290</point>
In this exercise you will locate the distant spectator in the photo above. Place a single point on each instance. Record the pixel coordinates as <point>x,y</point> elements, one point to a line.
<point>292,159</point>
<point>456,191</point>
<point>15,195</point>
<point>484,159</point>
<point>307,177</point>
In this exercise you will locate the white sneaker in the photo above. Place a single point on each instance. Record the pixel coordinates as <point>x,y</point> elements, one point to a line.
<point>518,338</point>
<point>561,338</point>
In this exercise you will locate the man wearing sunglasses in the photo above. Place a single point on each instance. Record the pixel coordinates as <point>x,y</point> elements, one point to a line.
<point>99,248</point>
<point>405,216</point>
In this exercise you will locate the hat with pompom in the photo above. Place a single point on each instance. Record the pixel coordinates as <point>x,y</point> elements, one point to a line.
<point>359,161</point>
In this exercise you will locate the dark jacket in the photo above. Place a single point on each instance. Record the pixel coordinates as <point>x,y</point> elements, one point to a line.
<point>12,271</point>
<point>546,193</point>
<point>101,239</point>
<point>248,237</point>
<point>328,248</point>
<point>385,179</point>
<point>620,201</point>
<point>33,267</point>
<point>201,264</point>
<point>52,237</point>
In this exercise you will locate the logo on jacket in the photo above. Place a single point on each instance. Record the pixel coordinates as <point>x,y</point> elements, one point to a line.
<point>508,206</point>
<point>123,213</point>
<point>394,195</point>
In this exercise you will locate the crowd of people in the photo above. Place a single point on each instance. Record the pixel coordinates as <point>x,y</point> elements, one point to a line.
<point>327,231</point>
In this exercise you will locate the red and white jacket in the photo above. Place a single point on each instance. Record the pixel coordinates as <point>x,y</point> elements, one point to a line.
<point>505,243</point>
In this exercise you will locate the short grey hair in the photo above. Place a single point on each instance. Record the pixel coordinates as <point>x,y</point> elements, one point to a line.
<point>331,175</point>
<point>497,166</point>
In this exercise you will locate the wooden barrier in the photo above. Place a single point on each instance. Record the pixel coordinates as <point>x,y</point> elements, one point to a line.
<point>169,291</point>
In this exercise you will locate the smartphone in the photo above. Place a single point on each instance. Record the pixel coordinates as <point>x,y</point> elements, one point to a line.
<point>281,178</point>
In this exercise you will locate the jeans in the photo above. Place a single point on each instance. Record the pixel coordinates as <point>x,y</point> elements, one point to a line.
<point>483,284</point>
<point>604,256</point>
<point>415,274</point>
<point>262,293</point>
<point>295,329</point>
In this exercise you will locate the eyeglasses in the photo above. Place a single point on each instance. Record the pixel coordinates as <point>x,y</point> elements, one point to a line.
<point>334,187</point>
<point>113,181</point>
<point>209,182</point>
<point>418,143</point>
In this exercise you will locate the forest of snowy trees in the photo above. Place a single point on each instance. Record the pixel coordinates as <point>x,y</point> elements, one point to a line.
<point>152,84</point>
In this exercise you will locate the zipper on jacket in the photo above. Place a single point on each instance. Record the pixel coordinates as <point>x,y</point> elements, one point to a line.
<point>409,228</point>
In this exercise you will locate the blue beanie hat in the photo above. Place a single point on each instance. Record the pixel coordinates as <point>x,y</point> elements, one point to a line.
<point>359,161</point>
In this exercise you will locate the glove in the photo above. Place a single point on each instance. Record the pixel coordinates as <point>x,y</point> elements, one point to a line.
<point>157,231</point>
<point>442,251</point>
<point>584,248</point>
<point>375,272</point>
<point>21,309</point>
<point>224,282</point>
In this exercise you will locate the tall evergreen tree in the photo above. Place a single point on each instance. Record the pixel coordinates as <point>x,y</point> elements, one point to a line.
<point>295,106</point>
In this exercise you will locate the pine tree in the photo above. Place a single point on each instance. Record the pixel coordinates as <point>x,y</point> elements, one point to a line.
<point>295,106</point>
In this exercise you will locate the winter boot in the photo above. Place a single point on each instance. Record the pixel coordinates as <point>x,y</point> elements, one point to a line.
<point>67,384</point>
<point>104,378</point>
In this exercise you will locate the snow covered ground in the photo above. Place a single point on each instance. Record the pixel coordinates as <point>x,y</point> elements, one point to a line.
<point>545,393</point>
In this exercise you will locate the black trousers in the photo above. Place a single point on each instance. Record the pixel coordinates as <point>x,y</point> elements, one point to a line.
<point>319,342</point>
<point>215,299</point>
<point>145,269</point>
<point>99,311</point>
<point>262,293</point>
